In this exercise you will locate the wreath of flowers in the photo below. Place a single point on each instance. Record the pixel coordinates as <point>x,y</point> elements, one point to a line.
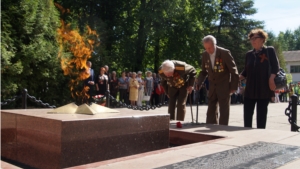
<point>99,99</point>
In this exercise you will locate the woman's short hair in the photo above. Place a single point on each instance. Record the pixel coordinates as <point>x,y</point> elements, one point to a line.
<point>261,33</point>
<point>133,73</point>
<point>167,66</point>
<point>148,72</point>
<point>209,38</point>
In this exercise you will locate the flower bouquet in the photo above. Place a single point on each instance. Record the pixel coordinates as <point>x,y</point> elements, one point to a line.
<point>100,99</point>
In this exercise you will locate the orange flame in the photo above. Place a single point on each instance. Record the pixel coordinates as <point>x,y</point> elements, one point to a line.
<point>74,52</point>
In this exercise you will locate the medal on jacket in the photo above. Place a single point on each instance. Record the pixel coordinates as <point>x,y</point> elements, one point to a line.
<point>207,64</point>
<point>221,68</point>
<point>178,80</point>
<point>219,65</point>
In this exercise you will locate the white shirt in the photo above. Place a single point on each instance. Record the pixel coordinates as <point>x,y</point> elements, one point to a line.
<point>213,58</point>
<point>238,90</point>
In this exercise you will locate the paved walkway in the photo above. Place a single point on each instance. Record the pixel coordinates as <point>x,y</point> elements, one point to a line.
<point>277,120</point>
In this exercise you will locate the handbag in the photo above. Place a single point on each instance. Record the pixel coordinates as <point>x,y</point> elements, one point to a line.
<point>280,78</point>
<point>146,98</point>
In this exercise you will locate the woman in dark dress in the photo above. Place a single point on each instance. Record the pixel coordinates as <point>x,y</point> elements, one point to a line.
<point>123,88</point>
<point>102,82</point>
<point>260,85</point>
<point>113,84</point>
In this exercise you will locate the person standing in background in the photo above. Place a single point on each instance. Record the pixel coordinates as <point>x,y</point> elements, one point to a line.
<point>141,88</point>
<point>155,96</point>
<point>102,82</point>
<point>129,76</point>
<point>148,85</point>
<point>123,87</point>
<point>113,85</point>
<point>90,81</point>
<point>106,70</point>
<point>134,87</point>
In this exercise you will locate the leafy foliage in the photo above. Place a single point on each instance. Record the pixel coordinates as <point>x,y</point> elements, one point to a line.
<point>233,27</point>
<point>29,48</point>
<point>290,40</point>
<point>134,35</point>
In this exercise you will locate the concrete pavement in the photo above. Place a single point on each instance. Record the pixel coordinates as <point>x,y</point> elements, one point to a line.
<point>277,120</point>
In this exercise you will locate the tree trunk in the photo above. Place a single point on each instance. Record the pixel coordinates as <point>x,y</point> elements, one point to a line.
<point>141,41</point>
<point>156,55</point>
<point>222,4</point>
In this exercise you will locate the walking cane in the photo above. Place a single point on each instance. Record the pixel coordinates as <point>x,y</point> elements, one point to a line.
<point>197,107</point>
<point>199,99</point>
<point>191,108</point>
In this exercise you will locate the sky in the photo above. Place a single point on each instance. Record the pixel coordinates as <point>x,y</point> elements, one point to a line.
<point>278,15</point>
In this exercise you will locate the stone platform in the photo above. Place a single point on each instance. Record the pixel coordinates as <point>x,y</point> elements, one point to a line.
<point>40,140</point>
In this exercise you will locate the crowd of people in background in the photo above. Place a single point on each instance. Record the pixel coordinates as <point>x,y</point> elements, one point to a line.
<point>130,87</point>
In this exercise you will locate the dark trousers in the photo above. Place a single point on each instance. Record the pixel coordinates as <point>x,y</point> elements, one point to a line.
<point>154,99</point>
<point>123,95</point>
<point>180,97</point>
<point>212,111</point>
<point>284,97</point>
<point>233,98</point>
<point>261,112</point>
<point>240,98</point>
<point>202,96</point>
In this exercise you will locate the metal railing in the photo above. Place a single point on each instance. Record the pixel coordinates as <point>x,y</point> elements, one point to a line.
<point>291,112</point>
<point>24,97</point>
<point>8,101</point>
<point>119,104</point>
<point>109,99</point>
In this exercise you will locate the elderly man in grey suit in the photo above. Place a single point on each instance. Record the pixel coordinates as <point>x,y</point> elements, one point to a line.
<point>219,66</point>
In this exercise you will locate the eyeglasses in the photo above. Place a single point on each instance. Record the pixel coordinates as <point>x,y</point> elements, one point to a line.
<point>254,38</point>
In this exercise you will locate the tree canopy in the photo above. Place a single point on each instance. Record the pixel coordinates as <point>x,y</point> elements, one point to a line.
<point>135,35</point>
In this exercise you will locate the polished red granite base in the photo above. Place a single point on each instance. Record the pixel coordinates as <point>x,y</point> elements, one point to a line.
<point>42,140</point>
<point>179,138</point>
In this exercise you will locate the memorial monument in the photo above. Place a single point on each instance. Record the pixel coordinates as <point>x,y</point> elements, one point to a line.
<point>80,132</point>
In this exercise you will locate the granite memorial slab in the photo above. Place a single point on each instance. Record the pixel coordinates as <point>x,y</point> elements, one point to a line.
<point>38,139</point>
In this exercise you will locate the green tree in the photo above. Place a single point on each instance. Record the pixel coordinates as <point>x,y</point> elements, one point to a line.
<point>29,48</point>
<point>139,34</point>
<point>290,40</point>
<point>273,41</point>
<point>176,30</point>
<point>233,26</point>
<point>297,38</point>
